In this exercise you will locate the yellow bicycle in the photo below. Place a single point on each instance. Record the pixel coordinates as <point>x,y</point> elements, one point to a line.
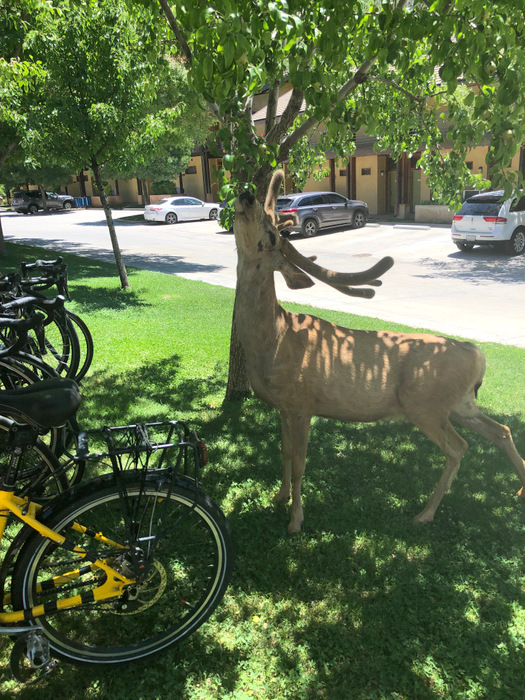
<point>116,568</point>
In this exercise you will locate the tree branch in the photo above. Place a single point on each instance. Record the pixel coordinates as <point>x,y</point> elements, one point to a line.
<point>186,51</point>
<point>271,107</point>
<point>288,117</point>
<point>7,153</point>
<point>358,77</point>
<point>177,31</point>
<point>350,85</point>
<point>399,88</point>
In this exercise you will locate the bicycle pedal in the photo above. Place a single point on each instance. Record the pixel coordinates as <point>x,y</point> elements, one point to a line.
<point>30,658</point>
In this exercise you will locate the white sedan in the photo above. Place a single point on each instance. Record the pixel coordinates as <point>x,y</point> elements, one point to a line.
<point>180,208</point>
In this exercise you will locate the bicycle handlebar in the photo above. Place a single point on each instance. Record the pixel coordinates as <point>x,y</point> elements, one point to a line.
<point>55,273</point>
<point>20,326</point>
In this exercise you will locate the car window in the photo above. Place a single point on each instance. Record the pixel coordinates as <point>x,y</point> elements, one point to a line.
<point>480,208</point>
<point>33,193</point>
<point>333,198</point>
<point>283,202</point>
<point>518,204</point>
<point>312,201</point>
<point>194,202</point>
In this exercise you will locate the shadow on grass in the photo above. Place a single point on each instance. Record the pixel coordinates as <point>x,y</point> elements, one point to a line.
<point>362,604</point>
<point>87,298</point>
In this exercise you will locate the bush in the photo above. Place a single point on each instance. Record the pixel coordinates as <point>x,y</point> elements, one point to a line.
<point>164,187</point>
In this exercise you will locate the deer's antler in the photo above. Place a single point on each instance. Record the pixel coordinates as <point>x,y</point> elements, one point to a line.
<point>342,281</point>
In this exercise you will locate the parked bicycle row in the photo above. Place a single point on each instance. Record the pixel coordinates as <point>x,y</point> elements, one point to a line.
<point>111,569</point>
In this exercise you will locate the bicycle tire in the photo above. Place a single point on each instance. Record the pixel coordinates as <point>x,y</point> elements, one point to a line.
<point>86,346</point>
<point>187,580</point>
<point>62,348</point>
<point>40,474</point>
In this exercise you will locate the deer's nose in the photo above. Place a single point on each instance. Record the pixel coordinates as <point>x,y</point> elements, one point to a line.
<point>247,198</point>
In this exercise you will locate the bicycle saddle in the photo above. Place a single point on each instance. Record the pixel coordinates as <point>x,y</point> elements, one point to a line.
<point>45,404</point>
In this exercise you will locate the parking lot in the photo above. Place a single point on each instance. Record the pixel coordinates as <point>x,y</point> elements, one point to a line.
<point>432,286</point>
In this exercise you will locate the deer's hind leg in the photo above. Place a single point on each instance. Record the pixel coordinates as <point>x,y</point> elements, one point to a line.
<point>470,416</point>
<point>440,431</point>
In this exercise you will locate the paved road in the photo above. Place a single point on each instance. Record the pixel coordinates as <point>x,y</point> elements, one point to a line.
<point>478,295</point>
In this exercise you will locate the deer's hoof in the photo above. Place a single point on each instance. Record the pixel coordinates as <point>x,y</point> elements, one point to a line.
<point>294,529</point>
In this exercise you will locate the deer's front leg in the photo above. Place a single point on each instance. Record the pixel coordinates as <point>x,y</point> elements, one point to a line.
<point>295,433</point>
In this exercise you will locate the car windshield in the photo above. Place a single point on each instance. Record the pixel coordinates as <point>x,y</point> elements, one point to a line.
<point>480,208</point>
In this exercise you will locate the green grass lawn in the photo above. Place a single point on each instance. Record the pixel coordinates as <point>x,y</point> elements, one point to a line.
<point>361,605</point>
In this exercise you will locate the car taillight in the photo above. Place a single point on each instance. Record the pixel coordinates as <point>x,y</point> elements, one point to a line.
<point>495,219</point>
<point>288,211</point>
<point>457,217</point>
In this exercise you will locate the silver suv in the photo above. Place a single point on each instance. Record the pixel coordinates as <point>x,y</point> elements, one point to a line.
<point>316,210</point>
<point>489,219</point>
<point>30,201</point>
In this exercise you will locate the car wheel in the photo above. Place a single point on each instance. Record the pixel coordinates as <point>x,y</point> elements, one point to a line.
<point>516,245</point>
<point>67,205</point>
<point>465,247</point>
<point>310,228</point>
<point>32,209</point>
<point>171,217</point>
<point>214,213</point>
<point>358,219</point>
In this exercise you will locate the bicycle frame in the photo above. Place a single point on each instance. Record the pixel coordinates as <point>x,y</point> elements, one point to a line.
<point>26,511</point>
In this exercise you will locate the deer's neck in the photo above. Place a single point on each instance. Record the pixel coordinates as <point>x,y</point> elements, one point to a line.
<point>258,315</point>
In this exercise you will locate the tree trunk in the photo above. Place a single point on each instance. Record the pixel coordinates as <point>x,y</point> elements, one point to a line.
<point>145,191</point>
<point>3,250</point>
<point>44,200</point>
<point>238,386</point>
<point>111,226</point>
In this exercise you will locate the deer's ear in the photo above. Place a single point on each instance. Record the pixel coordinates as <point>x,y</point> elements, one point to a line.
<point>294,277</point>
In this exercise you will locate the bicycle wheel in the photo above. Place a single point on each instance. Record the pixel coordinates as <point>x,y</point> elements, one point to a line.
<point>62,349</point>
<point>85,341</point>
<point>189,572</point>
<point>39,473</point>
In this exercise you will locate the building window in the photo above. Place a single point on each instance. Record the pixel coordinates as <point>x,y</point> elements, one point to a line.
<point>366,171</point>
<point>191,170</point>
<point>469,164</point>
<point>342,173</point>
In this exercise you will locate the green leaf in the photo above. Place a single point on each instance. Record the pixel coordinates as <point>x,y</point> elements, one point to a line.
<point>229,52</point>
<point>207,67</point>
<point>507,93</point>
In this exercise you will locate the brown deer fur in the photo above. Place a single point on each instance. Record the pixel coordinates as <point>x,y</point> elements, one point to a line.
<point>305,366</point>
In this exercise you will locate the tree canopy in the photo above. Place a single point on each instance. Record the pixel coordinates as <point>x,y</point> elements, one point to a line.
<point>413,73</point>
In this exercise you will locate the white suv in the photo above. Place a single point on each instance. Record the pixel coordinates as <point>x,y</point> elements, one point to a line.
<point>488,219</point>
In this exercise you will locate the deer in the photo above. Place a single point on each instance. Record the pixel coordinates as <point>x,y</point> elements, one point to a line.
<point>305,366</point>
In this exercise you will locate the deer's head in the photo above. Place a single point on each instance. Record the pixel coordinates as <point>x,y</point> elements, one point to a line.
<point>257,234</point>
